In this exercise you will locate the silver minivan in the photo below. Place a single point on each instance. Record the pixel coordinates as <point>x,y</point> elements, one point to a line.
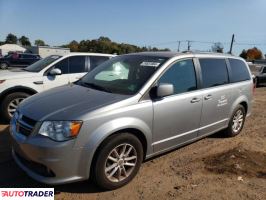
<point>126,110</point>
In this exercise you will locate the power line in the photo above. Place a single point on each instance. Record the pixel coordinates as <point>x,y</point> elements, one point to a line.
<point>207,42</point>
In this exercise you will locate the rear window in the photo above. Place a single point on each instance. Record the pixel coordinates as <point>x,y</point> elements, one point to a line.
<point>239,70</point>
<point>214,72</point>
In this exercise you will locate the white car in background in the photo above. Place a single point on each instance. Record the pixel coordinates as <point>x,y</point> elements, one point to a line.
<point>50,72</point>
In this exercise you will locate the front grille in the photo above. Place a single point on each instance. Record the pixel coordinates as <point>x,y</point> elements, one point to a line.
<point>28,120</point>
<point>25,125</point>
<point>24,130</point>
<point>36,167</point>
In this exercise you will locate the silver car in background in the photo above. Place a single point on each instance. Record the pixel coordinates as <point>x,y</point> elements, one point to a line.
<point>129,109</point>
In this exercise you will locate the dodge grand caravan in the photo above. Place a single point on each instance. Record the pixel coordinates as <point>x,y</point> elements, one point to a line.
<point>126,110</point>
<point>50,72</point>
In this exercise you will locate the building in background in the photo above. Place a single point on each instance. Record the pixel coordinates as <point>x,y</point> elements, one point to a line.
<point>8,48</point>
<point>45,51</point>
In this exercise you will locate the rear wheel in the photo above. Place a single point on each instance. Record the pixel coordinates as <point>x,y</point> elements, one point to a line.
<point>118,161</point>
<point>3,66</point>
<point>10,104</point>
<point>236,122</point>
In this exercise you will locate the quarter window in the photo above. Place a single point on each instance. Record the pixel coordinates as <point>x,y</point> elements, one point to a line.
<point>214,72</point>
<point>182,75</point>
<point>76,64</point>
<point>239,70</point>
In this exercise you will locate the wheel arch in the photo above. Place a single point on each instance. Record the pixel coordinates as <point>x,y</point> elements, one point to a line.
<point>134,131</point>
<point>11,90</point>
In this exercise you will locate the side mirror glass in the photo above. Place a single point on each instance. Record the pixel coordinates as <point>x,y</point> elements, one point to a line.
<point>164,89</point>
<point>55,72</point>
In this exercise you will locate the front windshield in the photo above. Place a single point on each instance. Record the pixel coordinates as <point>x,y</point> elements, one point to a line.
<point>41,64</point>
<point>124,74</point>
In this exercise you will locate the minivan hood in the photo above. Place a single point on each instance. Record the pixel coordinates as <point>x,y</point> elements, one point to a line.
<point>16,74</point>
<point>66,102</point>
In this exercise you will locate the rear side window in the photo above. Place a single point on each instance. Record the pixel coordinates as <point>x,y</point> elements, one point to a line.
<point>76,64</point>
<point>97,60</point>
<point>27,56</point>
<point>264,70</point>
<point>214,72</point>
<point>239,70</point>
<point>181,75</point>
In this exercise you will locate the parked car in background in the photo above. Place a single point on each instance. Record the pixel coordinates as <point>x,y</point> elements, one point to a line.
<point>260,76</point>
<point>20,60</point>
<point>50,72</point>
<point>130,108</point>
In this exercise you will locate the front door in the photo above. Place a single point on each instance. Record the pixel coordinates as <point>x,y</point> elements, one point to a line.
<point>50,81</point>
<point>177,117</point>
<point>77,67</point>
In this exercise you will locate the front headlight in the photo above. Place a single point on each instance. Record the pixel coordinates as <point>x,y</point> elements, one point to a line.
<point>60,130</point>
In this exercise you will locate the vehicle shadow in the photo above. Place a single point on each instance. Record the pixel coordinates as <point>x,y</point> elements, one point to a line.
<point>12,176</point>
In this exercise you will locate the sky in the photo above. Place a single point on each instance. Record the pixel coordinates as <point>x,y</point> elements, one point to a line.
<point>140,22</point>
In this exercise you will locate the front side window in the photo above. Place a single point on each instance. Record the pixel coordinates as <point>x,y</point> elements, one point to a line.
<point>97,60</point>
<point>182,75</point>
<point>124,74</point>
<point>239,70</point>
<point>62,65</point>
<point>214,72</point>
<point>76,64</point>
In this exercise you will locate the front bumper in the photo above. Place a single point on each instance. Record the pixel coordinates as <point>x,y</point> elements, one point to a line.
<point>48,161</point>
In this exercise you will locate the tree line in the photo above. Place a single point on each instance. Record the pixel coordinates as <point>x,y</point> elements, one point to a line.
<point>100,45</point>
<point>105,45</point>
<point>23,40</point>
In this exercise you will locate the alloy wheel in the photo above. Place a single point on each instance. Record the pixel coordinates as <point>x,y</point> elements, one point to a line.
<point>120,163</point>
<point>238,120</point>
<point>12,106</point>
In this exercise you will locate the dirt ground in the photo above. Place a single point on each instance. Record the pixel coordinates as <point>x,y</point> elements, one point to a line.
<point>212,168</point>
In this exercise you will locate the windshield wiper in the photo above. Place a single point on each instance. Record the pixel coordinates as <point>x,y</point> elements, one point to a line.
<point>94,86</point>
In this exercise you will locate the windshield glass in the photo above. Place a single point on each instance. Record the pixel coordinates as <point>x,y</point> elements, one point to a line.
<point>41,64</point>
<point>123,74</point>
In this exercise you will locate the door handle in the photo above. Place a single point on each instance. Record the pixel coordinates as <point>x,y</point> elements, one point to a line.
<point>209,96</point>
<point>38,82</point>
<point>195,100</point>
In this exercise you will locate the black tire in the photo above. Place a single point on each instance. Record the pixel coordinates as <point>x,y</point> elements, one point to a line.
<point>7,100</point>
<point>99,174</point>
<point>4,65</point>
<point>229,131</point>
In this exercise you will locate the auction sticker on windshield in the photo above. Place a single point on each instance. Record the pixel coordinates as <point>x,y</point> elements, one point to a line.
<point>26,193</point>
<point>150,64</point>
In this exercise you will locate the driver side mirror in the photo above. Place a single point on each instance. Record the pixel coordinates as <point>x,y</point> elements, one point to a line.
<point>55,72</point>
<point>164,89</point>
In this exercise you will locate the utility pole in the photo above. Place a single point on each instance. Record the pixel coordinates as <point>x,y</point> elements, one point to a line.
<point>188,45</point>
<point>232,42</point>
<point>178,46</point>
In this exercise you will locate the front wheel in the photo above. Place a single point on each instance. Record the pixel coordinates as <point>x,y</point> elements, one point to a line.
<point>10,104</point>
<point>118,161</point>
<point>236,122</point>
<point>3,66</point>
